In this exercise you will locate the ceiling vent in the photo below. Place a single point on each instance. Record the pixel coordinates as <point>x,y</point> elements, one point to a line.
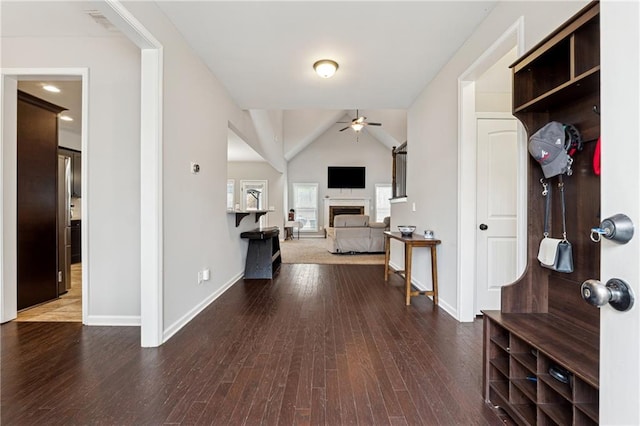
<point>101,20</point>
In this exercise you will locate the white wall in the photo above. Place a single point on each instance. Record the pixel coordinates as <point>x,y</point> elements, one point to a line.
<point>113,182</point>
<point>254,170</point>
<point>198,232</point>
<point>432,168</point>
<point>69,139</point>
<point>620,192</point>
<point>335,148</point>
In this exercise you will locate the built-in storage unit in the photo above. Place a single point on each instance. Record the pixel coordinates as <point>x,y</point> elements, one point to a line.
<point>37,200</point>
<point>263,254</point>
<point>523,352</point>
<point>545,334</point>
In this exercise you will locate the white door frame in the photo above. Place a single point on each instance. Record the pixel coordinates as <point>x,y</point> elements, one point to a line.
<point>151,232</point>
<point>466,230</point>
<point>8,199</point>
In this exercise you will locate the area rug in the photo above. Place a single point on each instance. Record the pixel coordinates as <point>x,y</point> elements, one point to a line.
<point>314,250</point>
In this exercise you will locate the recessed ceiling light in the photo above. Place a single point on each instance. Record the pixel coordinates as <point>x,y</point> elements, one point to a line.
<point>65,118</point>
<point>325,68</point>
<point>50,88</point>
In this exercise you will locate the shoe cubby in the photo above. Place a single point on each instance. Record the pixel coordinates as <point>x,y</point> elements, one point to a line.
<point>530,375</point>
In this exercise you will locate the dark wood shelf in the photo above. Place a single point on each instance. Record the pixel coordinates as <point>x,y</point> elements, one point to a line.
<point>562,342</point>
<point>561,414</point>
<point>502,365</point>
<point>527,387</point>
<point>244,213</point>
<point>526,412</point>
<point>527,360</point>
<point>576,88</point>
<point>591,410</point>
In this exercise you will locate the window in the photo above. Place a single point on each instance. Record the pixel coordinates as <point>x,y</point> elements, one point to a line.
<point>230,189</point>
<point>399,171</point>
<point>254,194</point>
<point>383,205</point>
<point>305,204</point>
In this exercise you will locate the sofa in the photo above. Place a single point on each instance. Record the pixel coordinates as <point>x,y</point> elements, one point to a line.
<point>353,233</point>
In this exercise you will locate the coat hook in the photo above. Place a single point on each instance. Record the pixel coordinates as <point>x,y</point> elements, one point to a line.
<point>596,109</point>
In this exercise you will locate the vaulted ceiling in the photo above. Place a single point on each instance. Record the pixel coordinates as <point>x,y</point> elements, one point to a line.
<point>263,51</point>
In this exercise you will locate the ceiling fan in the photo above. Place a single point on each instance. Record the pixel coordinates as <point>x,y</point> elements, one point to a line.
<point>358,123</point>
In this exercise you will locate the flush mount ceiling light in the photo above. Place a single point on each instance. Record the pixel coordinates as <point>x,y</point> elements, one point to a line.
<point>325,68</point>
<point>50,88</point>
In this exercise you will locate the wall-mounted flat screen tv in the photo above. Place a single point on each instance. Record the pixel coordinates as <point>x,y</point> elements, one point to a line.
<point>346,177</point>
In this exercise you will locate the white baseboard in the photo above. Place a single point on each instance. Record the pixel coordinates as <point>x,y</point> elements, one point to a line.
<point>442,304</point>
<point>184,320</point>
<point>114,320</point>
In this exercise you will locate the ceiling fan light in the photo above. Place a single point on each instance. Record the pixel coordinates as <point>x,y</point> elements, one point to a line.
<point>357,126</point>
<point>325,68</point>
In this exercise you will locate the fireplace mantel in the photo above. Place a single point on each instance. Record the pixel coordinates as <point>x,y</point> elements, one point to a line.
<point>346,201</point>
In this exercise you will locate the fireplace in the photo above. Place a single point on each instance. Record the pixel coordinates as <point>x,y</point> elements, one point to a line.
<point>362,205</point>
<point>336,210</point>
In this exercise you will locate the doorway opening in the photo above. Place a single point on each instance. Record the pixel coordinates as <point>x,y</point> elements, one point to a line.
<point>67,301</point>
<point>66,92</point>
<point>471,102</point>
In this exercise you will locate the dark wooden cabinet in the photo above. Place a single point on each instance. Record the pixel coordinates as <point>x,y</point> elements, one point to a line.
<point>543,321</point>
<point>37,232</point>
<point>263,254</point>
<point>76,170</point>
<point>76,238</point>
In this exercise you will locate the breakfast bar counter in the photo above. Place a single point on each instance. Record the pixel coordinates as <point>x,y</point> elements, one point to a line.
<point>410,242</point>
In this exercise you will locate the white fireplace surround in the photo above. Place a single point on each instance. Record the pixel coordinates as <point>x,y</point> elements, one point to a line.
<point>337,201</point>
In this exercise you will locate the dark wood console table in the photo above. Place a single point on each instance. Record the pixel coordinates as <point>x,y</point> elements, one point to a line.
<point>263,254</point>
<point>409,243</point>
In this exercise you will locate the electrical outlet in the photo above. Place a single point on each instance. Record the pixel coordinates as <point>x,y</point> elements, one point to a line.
<point>194,168</point>
<point>200,278</point>
<point>206,274</point>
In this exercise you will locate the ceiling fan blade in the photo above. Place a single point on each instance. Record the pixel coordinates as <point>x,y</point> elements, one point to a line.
<point>343,122</point>
<point>341,130</point>
<point>374,124</point>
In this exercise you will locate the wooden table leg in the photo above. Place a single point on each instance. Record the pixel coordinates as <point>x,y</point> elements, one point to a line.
<point>387,249</point>
<point>434,274</point>
<point>407,272</point>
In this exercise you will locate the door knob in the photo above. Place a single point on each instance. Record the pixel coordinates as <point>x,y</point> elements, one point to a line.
<point>616,292</point>
<point>483,227</point>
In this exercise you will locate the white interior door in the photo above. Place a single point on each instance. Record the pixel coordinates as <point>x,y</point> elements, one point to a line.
<point>496,230</point>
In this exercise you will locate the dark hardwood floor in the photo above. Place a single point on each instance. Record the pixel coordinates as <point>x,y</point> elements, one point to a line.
<point>320,344</point>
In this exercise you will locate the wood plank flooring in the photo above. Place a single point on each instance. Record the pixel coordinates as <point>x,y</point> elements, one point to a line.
<point>318,345</point>
<point>66,308</point>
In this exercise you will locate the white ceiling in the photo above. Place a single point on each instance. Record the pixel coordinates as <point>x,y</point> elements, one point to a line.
<point>263,51</point>
<point>70,97</point>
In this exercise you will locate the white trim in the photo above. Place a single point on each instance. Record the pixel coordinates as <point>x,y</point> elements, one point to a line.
<point>108,320</point>
<point>398,200</point>
<point>184,320</point>
<point>8,311</point>
<point>466,255</point>
<point>151,232</point>
<point>451,310</point>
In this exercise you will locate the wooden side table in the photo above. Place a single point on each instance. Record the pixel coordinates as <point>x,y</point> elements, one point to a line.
<point>409,244</point>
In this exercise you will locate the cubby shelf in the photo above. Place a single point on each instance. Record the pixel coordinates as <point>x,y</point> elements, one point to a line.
<point>522,380</point>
